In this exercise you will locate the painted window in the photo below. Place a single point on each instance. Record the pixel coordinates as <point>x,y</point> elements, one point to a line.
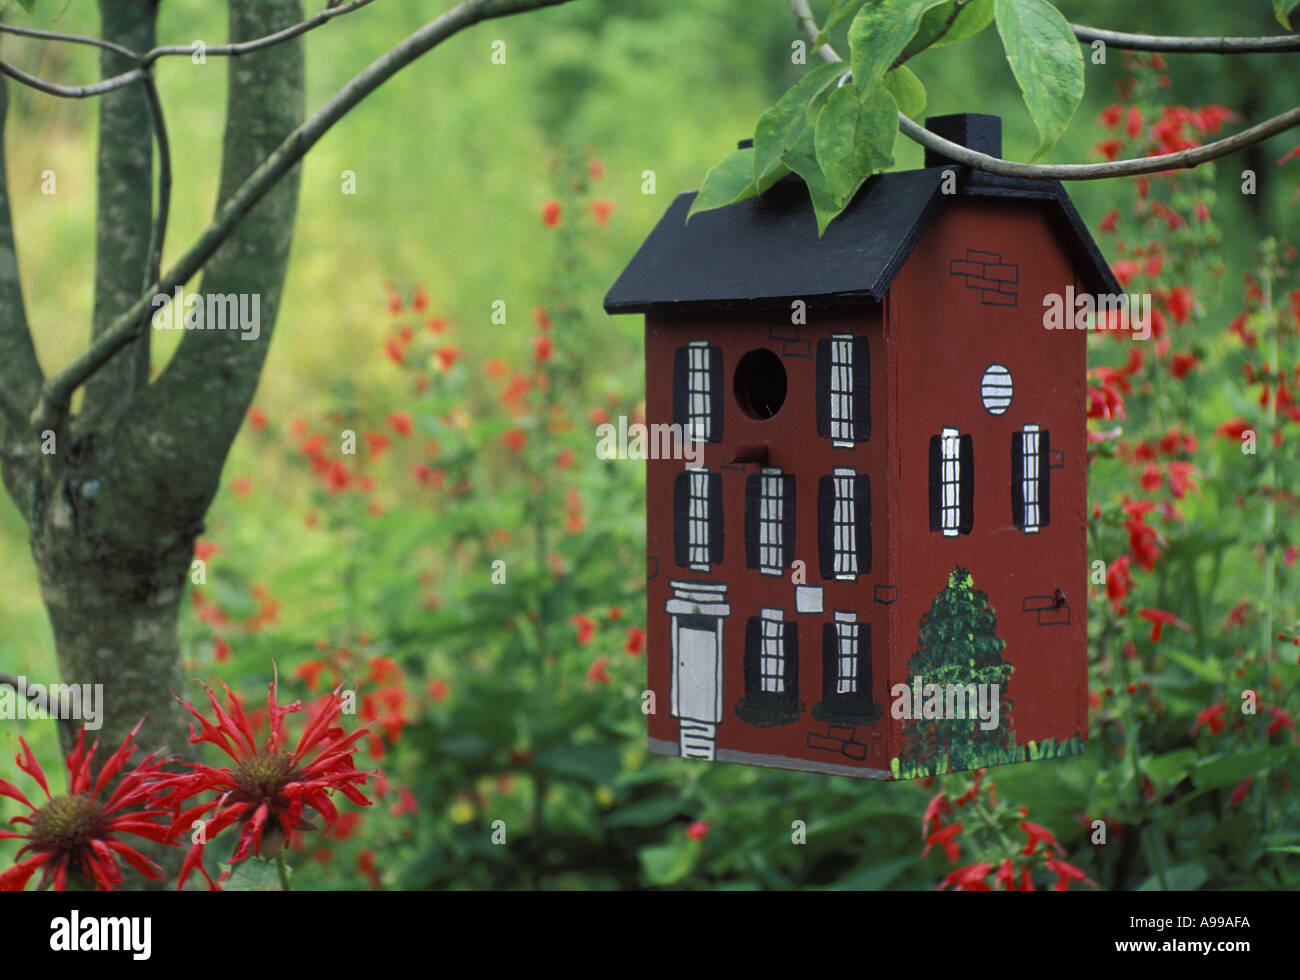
<point>771,664</point>
<point>844,524</point>
<point>843,390</point>
<point>697,391</point>
<point>697,519</point>
<point>1031,479</point>
<point>952,483</point>
<point>769,521</point>
<point>996,389</point>
<point>846,673</point>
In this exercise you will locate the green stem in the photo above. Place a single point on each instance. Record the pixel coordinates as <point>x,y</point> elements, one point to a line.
<point>283,869</point>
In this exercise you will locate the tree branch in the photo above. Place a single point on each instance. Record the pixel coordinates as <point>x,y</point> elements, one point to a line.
<point>1182,160</point>
<point>20,372</point>
<point>57,391</point>
<point>124,200</point>
<point>1187,45</point>
<point>143,61</point>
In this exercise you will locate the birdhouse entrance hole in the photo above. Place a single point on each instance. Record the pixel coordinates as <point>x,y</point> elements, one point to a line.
<point>760,384</point>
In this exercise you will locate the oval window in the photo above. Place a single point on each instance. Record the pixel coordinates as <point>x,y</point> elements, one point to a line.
<point>760,383</point>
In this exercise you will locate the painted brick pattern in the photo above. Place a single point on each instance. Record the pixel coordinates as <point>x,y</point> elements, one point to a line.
<point>985,271</point>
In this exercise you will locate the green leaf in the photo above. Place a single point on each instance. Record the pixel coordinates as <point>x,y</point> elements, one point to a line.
<point>839,13</point>
<point>254,875</point>
<point>1283,8</point>
<point>667,864</point>
<point>1206,670</point>
<point>907,91</point>
<point>854,138</point>
<point>1045,58</point>
<point>1184,878</point>
<point>596,764</point>
<point>1229,769</point>
<point>730,181</point>
<point>974,17</point>
<point>780,127</point>
<point>654,812</point>
<point>1169,769</point>
<point>802,159</point>
<point>878,35</point>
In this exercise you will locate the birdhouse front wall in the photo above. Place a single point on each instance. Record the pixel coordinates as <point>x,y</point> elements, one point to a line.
<point>767,552</point>
<point>988,406</point>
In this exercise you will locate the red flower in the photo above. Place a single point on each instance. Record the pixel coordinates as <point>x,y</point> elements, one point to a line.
<point>400,422</point>
<point>421,301</point>
<point>945,838</point>
<point>1111,115</point>
<point>439,690</point>
<point>1038,835</point>
<point>1237,617</point>
<point>934,812</point>
<point>1109,148</point>
<point>596,169</point>
<point>1239,793</point>
<point>220,650</point>
<point>1180,304</point>
<point>1159,619</point>
<point>204,549</point>
<point>601,210</point>
<point>542,318</point>
<point>256,419</point>
<point>515,440</point>
<point>1066,873</point>
<point>337,477</point>
<point>635,641</point>
<point>542,348</point>
<point>598,672</point>
<point>1134,127</point>
<point>268,786</point>
<point>970,878</point>
<point>1233,429</point>
<point>551,211</point>
<point>376,443</point>
<point>1108,223</point>
<point>1180,365</point>
<point>586,627</point>
<point>1151,479</point>
<point>698,830</point>
<point>242,486</point>
<point>447,357</point>
<point>78,831</point>
<point>1213,717</point>
<point>1119,580</point>
<point>1280,721</point>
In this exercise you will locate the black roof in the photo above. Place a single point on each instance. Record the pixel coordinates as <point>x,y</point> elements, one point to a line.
<point>764,252</point>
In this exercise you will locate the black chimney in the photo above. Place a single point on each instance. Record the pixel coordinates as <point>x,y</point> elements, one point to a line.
<point>973,130</point>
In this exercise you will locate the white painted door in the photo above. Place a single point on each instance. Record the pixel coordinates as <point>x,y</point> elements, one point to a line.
<point>698,664</point>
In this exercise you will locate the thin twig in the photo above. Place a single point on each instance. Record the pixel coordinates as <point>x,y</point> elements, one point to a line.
<point>97,42</point>
<point>52,406</point>
<point>1184,159</point>
<point>153,266</point>
<point>1187,45</point>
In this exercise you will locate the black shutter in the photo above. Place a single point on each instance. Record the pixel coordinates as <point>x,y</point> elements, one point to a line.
<point>753,640</point>
<point>826,525</point>
<point>862,521</point>
<point>715,394</point>
<point>681,518</point>
<point>791,677</point>
<point>863,687</point>
<point>861,390</point>
<point>789,523</point>
<point>824,387</point>
<point>830,661</point>
<point>1018,479</point>
<point>715,519</point>
<point>966,492</point>
<point>936,484</point>
<point>1044,479</point>
<point>753,512</point>
<point>681,384</point>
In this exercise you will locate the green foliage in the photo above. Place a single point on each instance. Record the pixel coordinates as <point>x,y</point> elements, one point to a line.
<point>878,35</point>
<point>1282,9</point>
<point>854,137</point>
<point>907,91</point>
<point>1045,58</point>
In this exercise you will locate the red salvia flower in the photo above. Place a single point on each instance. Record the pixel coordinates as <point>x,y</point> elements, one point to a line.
<point>551,212</point>
<point>1066,873</point>
<point>1159,619</point>
<point>1038,834</point>
<point>78,831</point>
<point>635,641</point>
<point>585,626</point>
<point>598,673</point>
<point>1212,717</point>
<point>267,786</point>
<point>970,878</point>
<point>945,838</point>
<point>698,829</point>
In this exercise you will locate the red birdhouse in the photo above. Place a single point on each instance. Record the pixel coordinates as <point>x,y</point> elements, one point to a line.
<point>866,490</point>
